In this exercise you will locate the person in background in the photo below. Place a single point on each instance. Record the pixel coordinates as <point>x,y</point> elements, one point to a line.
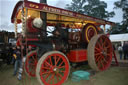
<point>125,50</point>
<point>120,51</point>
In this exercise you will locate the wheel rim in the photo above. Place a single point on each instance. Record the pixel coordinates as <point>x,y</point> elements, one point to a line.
<point>89,32</point>
<point>102,55</point>
<point>54,69</point>
<point>31,63</point>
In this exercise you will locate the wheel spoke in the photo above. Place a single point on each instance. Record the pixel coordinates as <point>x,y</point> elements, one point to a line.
<point>45,68</point>
<point>32,64</point>
<point>101,42</point>
<point>104,41</point>
<point>57,78</point>
<point>97,49</point>
<point>61,67</point>
<point>46,72</point>
<point>109,54</point>
<point>97,54</point>
<point>61,63</point>
<point>102,65</point>
<point>105,60</point>
<point>47,75</point>
<point>62,71</point>
<point>98,58</point>
<point>33,57</point>
<point>98,64</point>
<point>107,47</point>
<point>48,64</point>
<point>100,47</point>
<point>59,75</point>
<point>50,61</point>
<point>57,61</point>
<point>52,77</point>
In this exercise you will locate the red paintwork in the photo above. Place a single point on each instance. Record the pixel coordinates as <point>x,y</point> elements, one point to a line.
<point>77,55</point>
<point>51,62</point>
<point>32,39</point>
<point>51,9</point>
<point>15,11</point>
<point>18,42</point>
<point>30,27</point>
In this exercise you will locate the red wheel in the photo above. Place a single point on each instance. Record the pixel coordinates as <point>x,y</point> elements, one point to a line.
<point>31,63</point>
<point>99,52</point>
<point>88,32</point>
<point>52,68</point>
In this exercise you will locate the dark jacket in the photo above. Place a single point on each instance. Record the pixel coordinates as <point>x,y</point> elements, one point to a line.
<point>18,54</point>
<point>125,47</point>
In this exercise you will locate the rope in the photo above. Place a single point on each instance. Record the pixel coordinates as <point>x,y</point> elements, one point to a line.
<point>23,22</point>
<point>15,23</point>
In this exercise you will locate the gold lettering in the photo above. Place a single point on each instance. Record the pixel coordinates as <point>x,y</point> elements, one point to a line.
<point>33,6</point>
<point>45,8</point>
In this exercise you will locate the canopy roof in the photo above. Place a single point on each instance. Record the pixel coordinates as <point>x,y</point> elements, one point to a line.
<point>53,14</point>
<point>119,37</point>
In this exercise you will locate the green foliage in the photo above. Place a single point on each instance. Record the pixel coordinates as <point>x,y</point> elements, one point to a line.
<point>123,4</point>
<point>95,8</point>
<point>76,5</point>
<point>116,29</point>
<point>119,29</point>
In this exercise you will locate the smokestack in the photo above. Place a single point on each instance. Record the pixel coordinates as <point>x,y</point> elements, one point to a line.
<point>43,16</point>
<point>43,1</point>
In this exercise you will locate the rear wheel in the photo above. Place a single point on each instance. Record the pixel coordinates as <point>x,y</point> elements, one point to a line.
<point>52,68</point>
<point>99,52</point>
<point>31,63</point>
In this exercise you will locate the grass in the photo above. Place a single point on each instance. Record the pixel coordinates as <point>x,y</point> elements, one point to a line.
<point>113,76</point>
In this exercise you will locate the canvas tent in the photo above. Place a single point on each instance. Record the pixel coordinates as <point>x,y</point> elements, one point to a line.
<point>119,38</point>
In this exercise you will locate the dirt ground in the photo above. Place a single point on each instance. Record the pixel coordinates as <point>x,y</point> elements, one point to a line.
<point>115,75</point>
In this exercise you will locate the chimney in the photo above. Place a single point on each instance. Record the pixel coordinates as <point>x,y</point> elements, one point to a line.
<point>43,16</point>
<point>43,1</point>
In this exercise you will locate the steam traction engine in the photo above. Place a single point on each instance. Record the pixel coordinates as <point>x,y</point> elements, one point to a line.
<point>57,37</point>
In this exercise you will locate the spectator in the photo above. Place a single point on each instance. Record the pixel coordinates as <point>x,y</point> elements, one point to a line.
<point>120,50</point>
<point>18,62</point>
<point>13,55</point>
<point>125,50</point>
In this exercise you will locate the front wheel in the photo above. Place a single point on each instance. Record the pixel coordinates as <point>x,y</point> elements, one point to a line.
<point>53,68</point>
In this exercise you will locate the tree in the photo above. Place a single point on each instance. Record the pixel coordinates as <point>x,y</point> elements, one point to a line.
<point>123,4</point>
<point>116,29</point>
<point>95,8</point>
